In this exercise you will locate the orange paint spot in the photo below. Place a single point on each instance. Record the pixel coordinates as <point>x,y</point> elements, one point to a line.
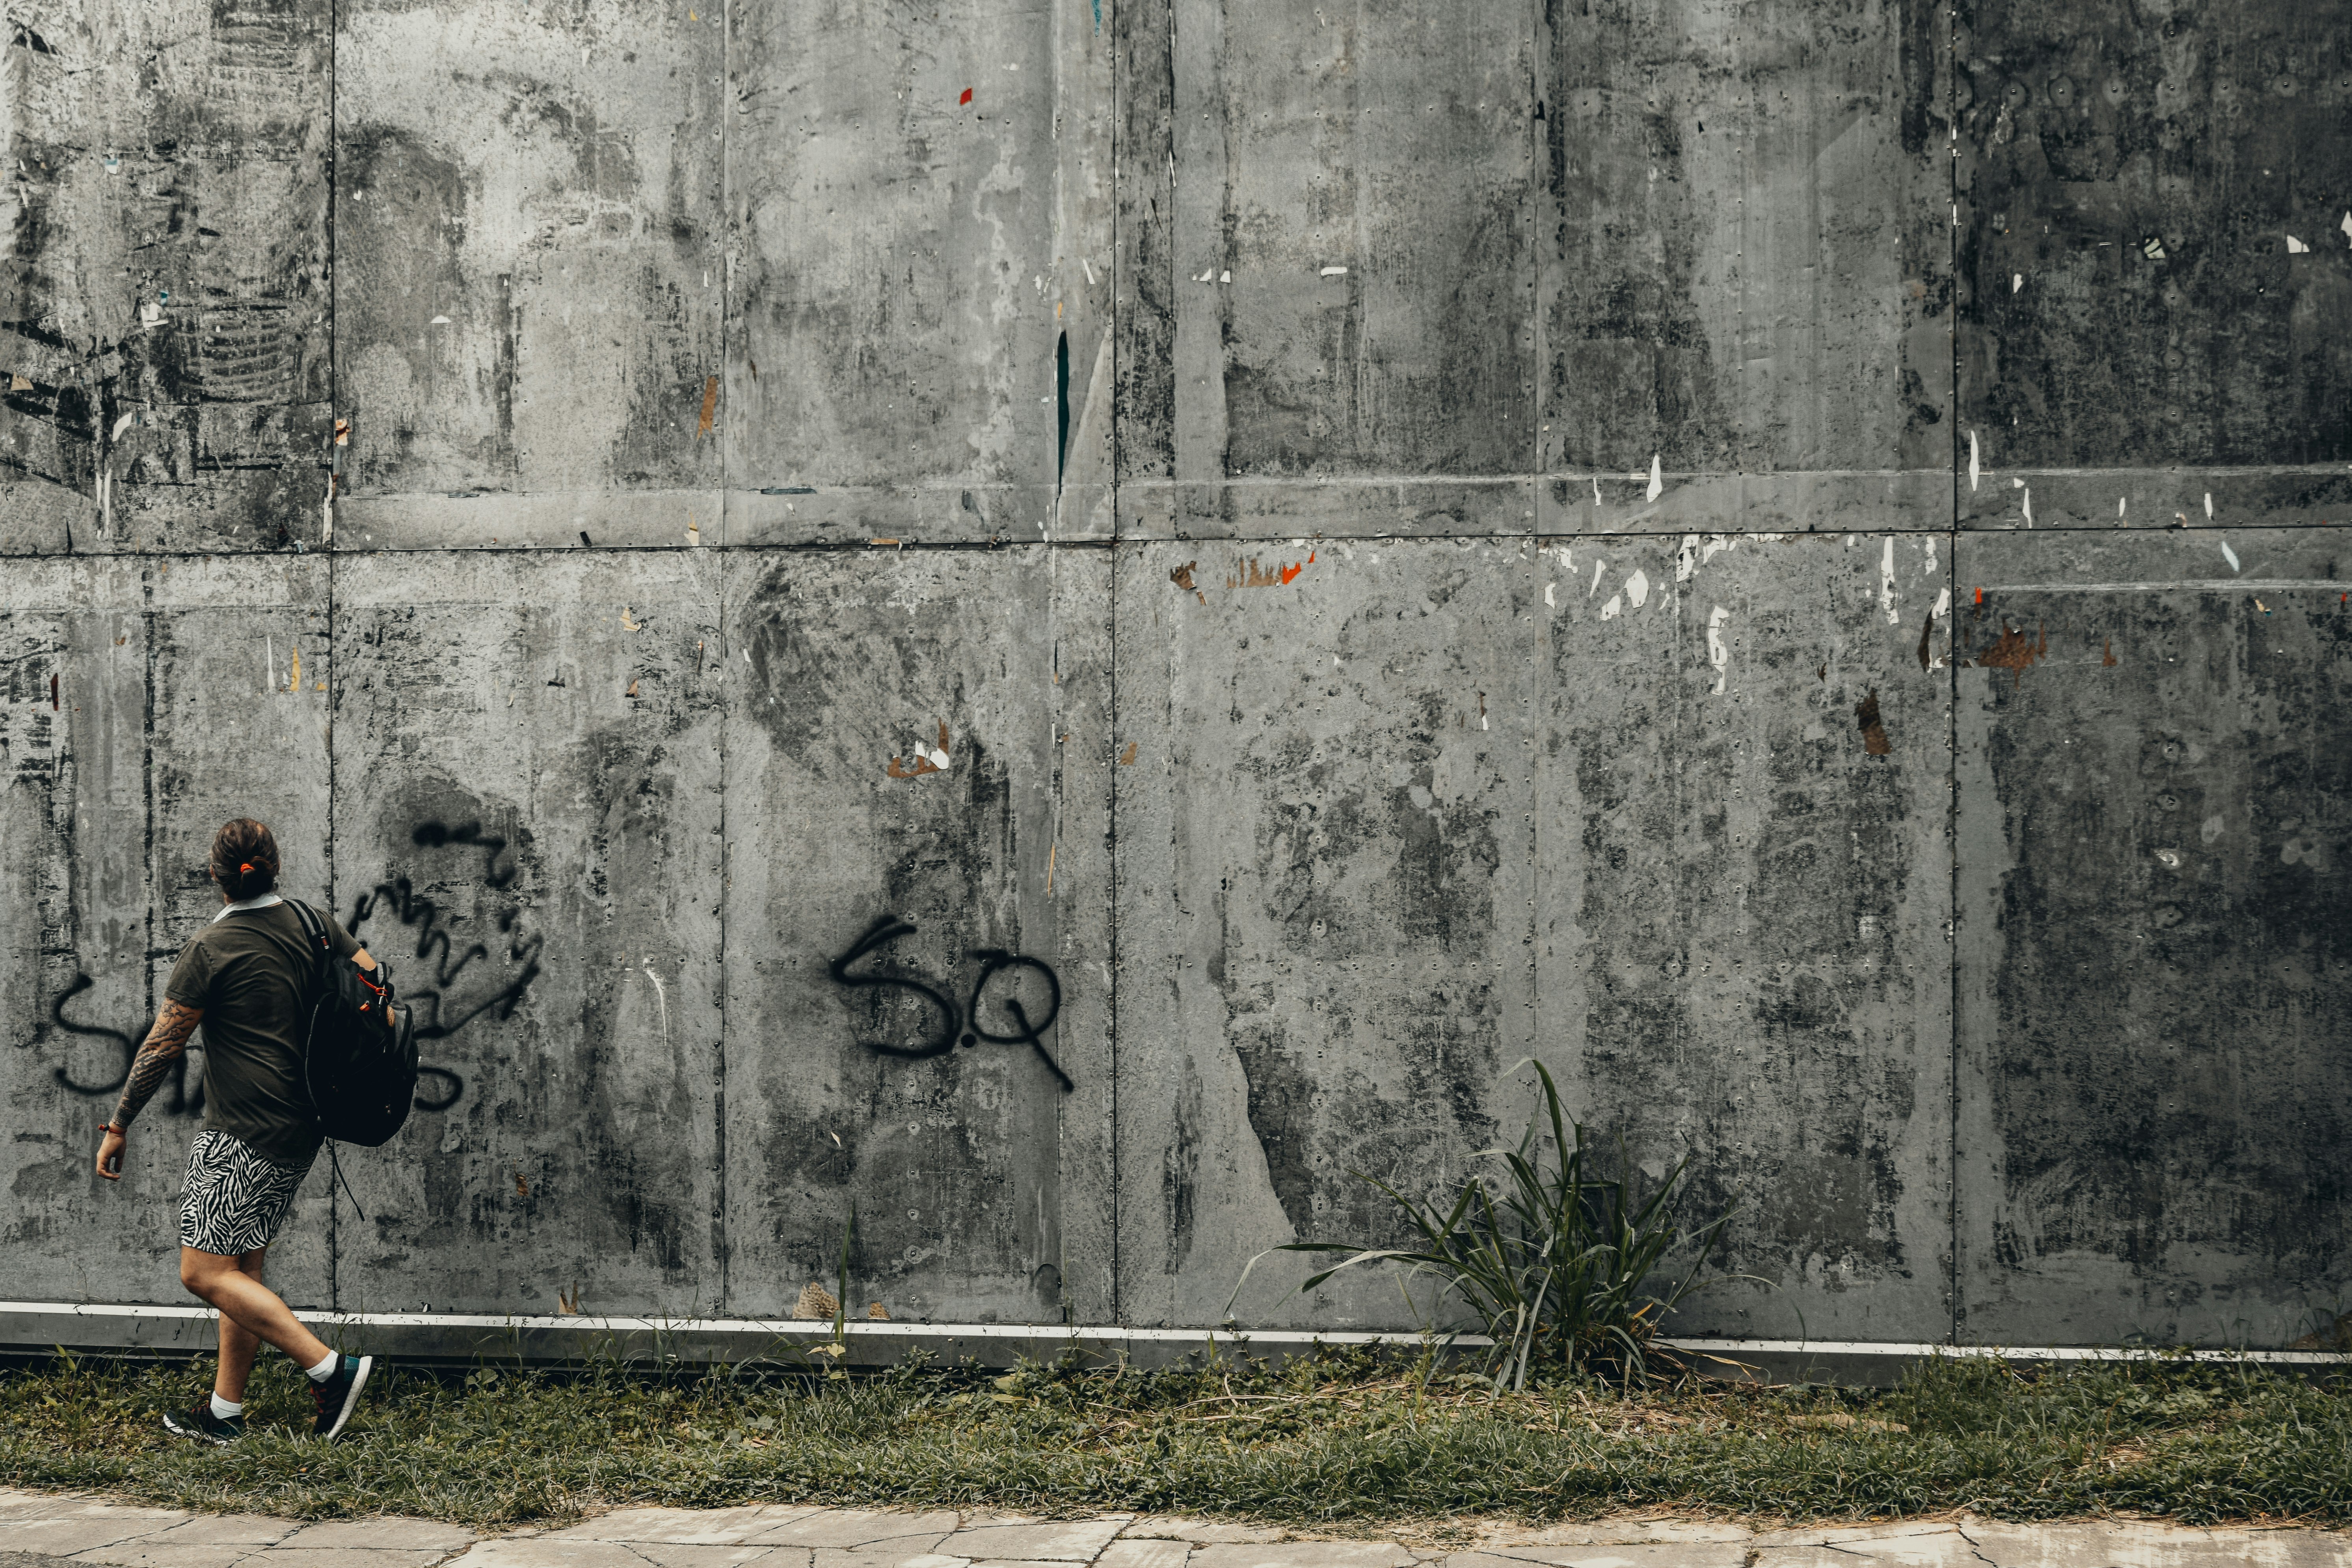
<point>1979,595</point>
<point>1310,558</point>
<point>966,97</point>
<point>1290,572</point>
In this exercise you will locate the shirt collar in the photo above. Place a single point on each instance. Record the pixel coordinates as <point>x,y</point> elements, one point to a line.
<point>238,908</point>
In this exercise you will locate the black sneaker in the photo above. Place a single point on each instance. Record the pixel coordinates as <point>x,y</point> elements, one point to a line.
<point>204,1426</point>
<point>339,1396</point>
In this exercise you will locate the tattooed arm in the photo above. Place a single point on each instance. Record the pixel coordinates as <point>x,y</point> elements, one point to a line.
<point>165,1041</point>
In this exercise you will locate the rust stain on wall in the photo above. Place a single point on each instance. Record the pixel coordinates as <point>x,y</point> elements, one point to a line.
<point>2012,651</point>
<point>1873,732</point>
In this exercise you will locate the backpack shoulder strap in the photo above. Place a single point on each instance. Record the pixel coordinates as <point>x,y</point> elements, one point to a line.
<point>314,931</point>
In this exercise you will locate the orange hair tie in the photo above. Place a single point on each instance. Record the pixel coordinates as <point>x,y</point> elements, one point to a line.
<point>247,866</point>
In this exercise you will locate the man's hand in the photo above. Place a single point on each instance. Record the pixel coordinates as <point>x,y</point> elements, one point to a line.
<point>110,1153</point>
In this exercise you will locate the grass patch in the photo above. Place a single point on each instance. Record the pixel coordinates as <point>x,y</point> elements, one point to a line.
<point>1349,1439</point>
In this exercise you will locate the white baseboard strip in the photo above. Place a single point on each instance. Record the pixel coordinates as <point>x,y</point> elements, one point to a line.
<point>32,1327</point>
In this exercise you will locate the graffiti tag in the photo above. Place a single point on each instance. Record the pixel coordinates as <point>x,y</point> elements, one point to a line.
<point>994,962</point>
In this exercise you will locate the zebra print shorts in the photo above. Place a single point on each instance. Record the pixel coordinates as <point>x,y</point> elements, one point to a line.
<point>236,1198</point>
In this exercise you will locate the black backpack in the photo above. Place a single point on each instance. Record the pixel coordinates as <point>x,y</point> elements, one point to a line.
<point>360,1069</point>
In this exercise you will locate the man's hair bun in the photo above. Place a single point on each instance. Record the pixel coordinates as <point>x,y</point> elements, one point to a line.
<point>244,859</point>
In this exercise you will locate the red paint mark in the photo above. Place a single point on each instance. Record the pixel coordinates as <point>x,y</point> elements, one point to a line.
<point>53,694</point>
<point>965,98</point>
<point>1979,595</point>
<point>1310,558</point>
<point>1290,572</point>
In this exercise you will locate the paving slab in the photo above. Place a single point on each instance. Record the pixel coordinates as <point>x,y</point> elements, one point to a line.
<point>146,1552</point>
<point>409,1534</point>
<point>1304,1554</point>
<point>548,1551</point>
<point>85,1527</point>
<point>1144,1554</point>
<point>232,1529</point>
<point>685,1526</point>
<point>1200,1531</point>
<point>1607,1554</point>
<point>2136,1544</point>
<point>850,1528</point>
<point>1065,1541</point>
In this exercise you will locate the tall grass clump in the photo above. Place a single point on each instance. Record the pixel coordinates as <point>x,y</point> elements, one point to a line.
<point>1561,1266</point>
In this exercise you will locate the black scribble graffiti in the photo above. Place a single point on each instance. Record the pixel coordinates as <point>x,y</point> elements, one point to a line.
<point>184,1100</point>
<point>993,961</point>
<point>434,948</point>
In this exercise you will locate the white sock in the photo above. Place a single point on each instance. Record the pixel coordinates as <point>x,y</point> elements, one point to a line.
<point>326,1369</point>
<point>223,1410</point>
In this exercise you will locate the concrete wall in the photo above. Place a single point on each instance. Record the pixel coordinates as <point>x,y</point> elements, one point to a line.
<point>1783,558</point>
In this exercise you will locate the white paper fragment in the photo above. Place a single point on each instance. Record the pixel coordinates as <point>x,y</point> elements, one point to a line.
<point>1616,603</point>
<point>1686,558</point>
<point>121,424</point>
<point>2209,506</point>
<point>327,514</point>
<point>2016,282</point>
<point>1596,489</point>
<point>1090,270</point>
<point>2119,506</point>
<point>2017,484</point>
<point>2028,504</point>
<point>1335,272</point>
<point>1637,588</point>
<point>1657,478</point>
<point>1597,567</point>
<point>1224,276</point>
<point>2229,556</point>
<point>1717,654</point>
<point>440,320</point>
<point>1972,459</point>
<point>2346,226</point>
<point>1548,600</point>
<point>2295,246</point>
<point>1886,582</point>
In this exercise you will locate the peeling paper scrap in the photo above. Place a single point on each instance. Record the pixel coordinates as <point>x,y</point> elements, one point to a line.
<point>1886,583</point>
<point>1717,654</point>
<point>1334,272</point>
<point>1972,459</point>
<point>1657,477</point>
<point>1637,588</point>
<point>1686,558</point>
<point>2229,556</point>
<point>2295,246</point>
<point>1616,603</point>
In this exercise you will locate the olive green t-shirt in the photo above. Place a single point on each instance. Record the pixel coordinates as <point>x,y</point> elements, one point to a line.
<point>251,970</point>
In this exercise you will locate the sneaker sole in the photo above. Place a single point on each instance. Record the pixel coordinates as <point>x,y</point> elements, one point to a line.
<point>176,1430</point>
<point>351,1399</point>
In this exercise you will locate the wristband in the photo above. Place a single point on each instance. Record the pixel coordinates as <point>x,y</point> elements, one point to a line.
<point>111,1126</point>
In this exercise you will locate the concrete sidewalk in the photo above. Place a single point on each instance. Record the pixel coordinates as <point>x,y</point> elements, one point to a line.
<point>39,1530</point>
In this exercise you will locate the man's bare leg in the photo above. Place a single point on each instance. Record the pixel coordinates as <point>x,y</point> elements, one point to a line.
<point>223,1281</point>
<point>238,1346</point>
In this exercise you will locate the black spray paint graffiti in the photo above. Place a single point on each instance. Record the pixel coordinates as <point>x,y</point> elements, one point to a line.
<point>993,961</point>
<point>439,1087</point>
<point>399,897</point>
<point>186,1099</point>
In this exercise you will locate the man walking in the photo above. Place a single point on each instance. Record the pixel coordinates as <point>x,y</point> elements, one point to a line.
<point>245,977</point>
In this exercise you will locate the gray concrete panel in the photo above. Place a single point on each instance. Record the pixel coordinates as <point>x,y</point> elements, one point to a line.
<point>2153,259</point>
<point>163,286</point>
<point>1997,497</point>
<point>1747,267</point>
<point>527,827</point>
<point>1743,891</point>
<point>918,737</point>
<point>1347,239</point>
<point>530,272</point>
<point>921,271</point>
<point>175,707</point>
<point>2151,1117</point>
<point>1324,904</point>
